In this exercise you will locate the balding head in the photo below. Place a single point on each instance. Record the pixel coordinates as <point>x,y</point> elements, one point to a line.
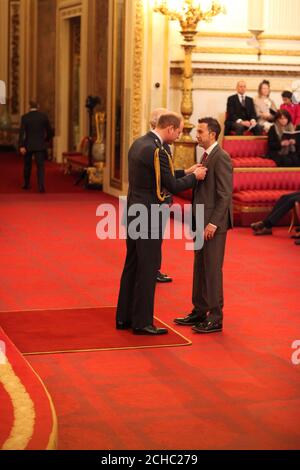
<point>241,87</point>
<point>155,115</point>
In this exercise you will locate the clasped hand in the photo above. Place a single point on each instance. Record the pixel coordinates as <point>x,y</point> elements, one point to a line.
<point>198,170</point>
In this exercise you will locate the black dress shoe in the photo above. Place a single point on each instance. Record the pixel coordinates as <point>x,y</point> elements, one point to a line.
<point>209,326</point>
<point>26,186</point>
<point>42,190</point>
<point>150,330</point>
<point>257,225</point>
<point>263,231</point>
<point>163,277</point>
<point>122,325</point>
<point>191,319</point>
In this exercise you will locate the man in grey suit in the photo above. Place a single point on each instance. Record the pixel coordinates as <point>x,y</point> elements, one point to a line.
<point>215,193</point>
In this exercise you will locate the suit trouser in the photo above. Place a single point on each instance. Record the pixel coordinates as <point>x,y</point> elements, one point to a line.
<point>138,282</point>
<point>240,129</point>
<point>208,277</point>
<point>290,160</point>
<point>282,206</point>
<point>40,164</point>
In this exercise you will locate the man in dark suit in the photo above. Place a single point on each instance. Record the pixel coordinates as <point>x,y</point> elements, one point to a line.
<point>154,117</point>
<point>35,132</point>
<point>215,193</point>
<point>283,205</point>
<point>240,113</point>
<point>150,170</point>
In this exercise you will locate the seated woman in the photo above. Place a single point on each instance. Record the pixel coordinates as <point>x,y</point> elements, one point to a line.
<point>282,151</point>
<point>265,107</point>
<point>292,108</point>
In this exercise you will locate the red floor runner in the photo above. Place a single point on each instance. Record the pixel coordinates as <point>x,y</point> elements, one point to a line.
<point>90,329</point>
<point>235,390</point>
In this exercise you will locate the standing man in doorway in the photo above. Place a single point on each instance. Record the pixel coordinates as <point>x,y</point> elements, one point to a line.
<point>35,132</point>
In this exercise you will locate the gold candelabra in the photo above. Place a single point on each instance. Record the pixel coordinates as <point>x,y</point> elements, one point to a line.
<point>189,13</point>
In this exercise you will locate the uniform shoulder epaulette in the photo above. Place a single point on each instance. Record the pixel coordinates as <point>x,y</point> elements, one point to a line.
<point>161,195</point>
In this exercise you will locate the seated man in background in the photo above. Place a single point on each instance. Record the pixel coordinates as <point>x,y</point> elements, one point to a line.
<point>282,206</point>
<point>240,113</point>
<point>292,108</point>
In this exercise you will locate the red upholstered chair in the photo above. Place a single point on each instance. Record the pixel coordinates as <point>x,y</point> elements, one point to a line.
<point>247,152</point>
<point>257,189</point>
<point>258,183</point>
<point>76,161</point>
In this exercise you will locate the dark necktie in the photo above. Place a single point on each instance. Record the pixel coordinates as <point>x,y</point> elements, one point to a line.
<point>243,102</point>
<point>204,158</point>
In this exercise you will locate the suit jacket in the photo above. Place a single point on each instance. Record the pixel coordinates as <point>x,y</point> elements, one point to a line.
<point>35,131</point>
<point>236,111</point>
<point>142,181</point>
<point>215,191</point>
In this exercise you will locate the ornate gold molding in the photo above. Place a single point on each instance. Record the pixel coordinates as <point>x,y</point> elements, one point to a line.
<point>237,71</point>
<point>246,51</point>
<point>14,69</point>
<point>137,70</point>
<point>67,12</point>
<point>241,72</point>
<point>206,34</point>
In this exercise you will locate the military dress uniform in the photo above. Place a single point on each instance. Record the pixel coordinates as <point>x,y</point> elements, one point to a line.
<point>150,169</point>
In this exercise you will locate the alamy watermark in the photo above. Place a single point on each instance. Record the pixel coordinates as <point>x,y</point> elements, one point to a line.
<point>151,222</point>
<point>3,359</point>
<point>296,354</point>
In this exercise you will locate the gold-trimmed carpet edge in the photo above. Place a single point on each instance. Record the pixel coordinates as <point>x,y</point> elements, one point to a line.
<point>53,438</point>
<point>188,343</point>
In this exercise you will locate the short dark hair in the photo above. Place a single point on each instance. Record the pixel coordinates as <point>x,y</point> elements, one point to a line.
<point>283,112</point>
<point>169,119</point>
<point>33,104</point>
<point>212,125</point>
<point>287,94</point>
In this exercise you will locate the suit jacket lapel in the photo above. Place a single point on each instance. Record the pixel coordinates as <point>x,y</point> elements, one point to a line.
<point>212,154</point>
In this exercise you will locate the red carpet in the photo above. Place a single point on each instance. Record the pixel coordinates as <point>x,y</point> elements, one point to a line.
<point>28,419</point>
<point>235,390</point>
<point>89,329</point>
<point>11,170</point>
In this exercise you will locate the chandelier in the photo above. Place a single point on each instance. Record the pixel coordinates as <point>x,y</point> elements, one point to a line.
<point>189,13</point>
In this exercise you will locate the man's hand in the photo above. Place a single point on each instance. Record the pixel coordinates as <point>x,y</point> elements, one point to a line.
<point>209,232</point>
<point>200,172</point>
<point>22,150</point>
<point>285,143</point>
<point>246,123</point>
<point>190,170</point>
